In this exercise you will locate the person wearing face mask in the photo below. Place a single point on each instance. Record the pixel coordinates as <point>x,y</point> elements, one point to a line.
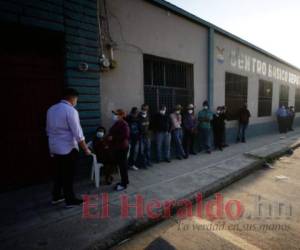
<point>64,135</point>
<point>119,135</point>
<point>145,142</point>
<point>103,150</point>
<point>161,126</point>
<point>177,133</point>
<point>282,117</point>
<point>135,134</point>
<point>190,130</point>
<point>218,126</point>
<point>205,117</point>
<point>244,116</point>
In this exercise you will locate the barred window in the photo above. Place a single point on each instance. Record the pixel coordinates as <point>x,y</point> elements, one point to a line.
<point>265,98</point>
<point>297,100</point>
<point>236,94</point>
<point>284,95</point>
<point>167,82</point>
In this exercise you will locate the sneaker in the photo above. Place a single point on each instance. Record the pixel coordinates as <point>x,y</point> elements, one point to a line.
<point>208,151</point>
<point>134,168</point>
<point>73,203</point>
<point>57,200</point>
<point>119,188</point>
<point>168,160</point>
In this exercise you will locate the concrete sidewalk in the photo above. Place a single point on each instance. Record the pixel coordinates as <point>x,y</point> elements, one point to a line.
<point>28,221</point>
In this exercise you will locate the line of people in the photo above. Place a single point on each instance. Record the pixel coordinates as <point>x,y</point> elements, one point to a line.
<point>285,118</point>
<point>128,142</point>
<point>127,145</point>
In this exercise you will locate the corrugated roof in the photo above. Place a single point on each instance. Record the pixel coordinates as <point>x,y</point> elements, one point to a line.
<point>181,12</point>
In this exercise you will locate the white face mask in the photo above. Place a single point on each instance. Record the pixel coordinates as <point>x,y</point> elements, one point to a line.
<point>218,111</point>
<point>205,107</point>
<point>144,115</point>
<point>178,112</point>
<point>190,111</point>
<point>100,134</point>
<point>115,118</point>
<point>163,112</point>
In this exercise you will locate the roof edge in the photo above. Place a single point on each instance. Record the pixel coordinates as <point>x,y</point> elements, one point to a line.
<point>181,12</point>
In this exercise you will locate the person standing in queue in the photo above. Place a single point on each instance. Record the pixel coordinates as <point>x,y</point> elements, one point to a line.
<point>119,137</point>
<point>64,135</point>
<point>190,130</point>
<point>224,118</point>
<point>218,125</point>
<point>205,117</point>
<point>291,113</point>
<point>161,125</point>
<point>145,142</point>
<point>244,116</point>
<point>177,133</point>
<point>282,118</point>
<point>135,133</point>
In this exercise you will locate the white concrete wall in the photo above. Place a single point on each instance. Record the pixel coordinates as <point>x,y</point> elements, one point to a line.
<point>141,28</point>
<point>227,45</point>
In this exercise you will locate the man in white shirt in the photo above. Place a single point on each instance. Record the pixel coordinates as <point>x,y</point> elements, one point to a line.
<point>65,134</point>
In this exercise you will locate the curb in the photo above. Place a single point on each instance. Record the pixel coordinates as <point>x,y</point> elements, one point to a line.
<point>139,225</point>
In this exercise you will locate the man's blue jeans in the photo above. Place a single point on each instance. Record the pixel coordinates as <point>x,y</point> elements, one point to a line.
<point>163,141</point>
<point>177,136</point>
<point>134,150</point>
<point>205,139</point>
<point>145,150</point>
<point>242,132</point>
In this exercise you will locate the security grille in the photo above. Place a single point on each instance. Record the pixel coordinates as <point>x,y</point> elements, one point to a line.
<point>284,95</point>
<point>236,93</point>
<point>297,100</point>
<point>265,98</point>
<point>167,82</point>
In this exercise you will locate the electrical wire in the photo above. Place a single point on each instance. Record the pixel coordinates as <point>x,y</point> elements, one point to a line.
<point>122,33</point>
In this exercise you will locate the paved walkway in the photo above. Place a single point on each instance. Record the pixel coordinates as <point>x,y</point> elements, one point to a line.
<point>28,221</point>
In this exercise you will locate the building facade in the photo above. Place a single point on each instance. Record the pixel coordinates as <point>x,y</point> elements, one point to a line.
<point>156,53</point>
<point>167,56</point>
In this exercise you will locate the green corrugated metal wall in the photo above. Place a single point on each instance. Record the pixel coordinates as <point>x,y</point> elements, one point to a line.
<point>78,20</point>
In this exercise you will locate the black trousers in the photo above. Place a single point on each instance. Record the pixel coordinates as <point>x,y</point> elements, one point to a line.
<point>283,124</point>
<point>188,142</point>
<point>122,162</point>
<point>291,123</point>
<point>64,169</point>
<point>218,138</point>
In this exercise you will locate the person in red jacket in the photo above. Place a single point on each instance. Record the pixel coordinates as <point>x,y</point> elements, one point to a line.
<point>119,136</point>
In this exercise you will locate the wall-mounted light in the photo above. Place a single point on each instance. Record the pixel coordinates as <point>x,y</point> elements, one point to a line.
<point>83,67</point>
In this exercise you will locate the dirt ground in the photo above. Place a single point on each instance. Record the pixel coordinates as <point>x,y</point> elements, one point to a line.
<point>271,203</point>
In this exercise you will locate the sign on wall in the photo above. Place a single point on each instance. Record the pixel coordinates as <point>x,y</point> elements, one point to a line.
<point>247,63</point>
